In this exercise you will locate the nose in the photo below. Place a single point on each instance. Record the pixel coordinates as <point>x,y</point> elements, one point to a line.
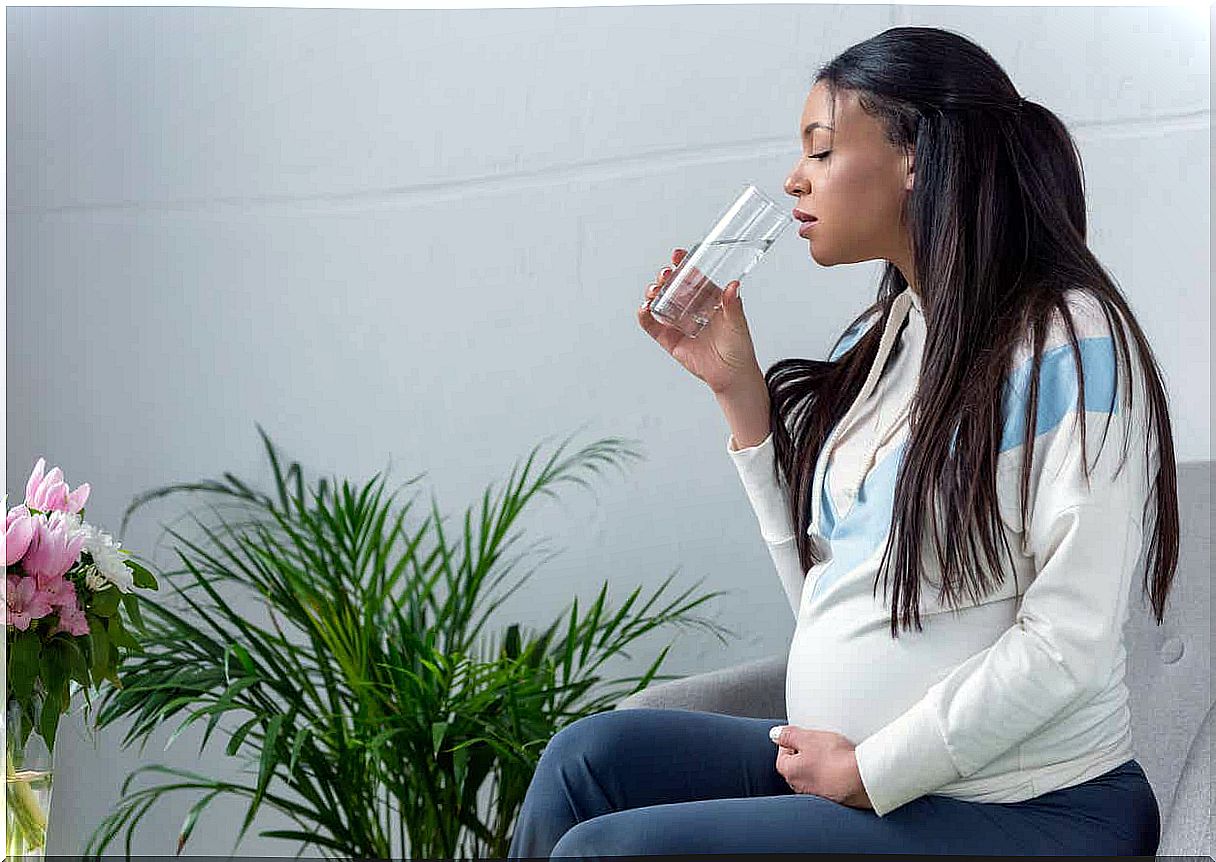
<point>794,184</point>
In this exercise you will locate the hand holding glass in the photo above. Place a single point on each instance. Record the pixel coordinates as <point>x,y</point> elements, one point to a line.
<point>740,236</point>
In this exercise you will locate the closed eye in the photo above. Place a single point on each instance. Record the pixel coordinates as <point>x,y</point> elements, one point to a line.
<point>819,155</point>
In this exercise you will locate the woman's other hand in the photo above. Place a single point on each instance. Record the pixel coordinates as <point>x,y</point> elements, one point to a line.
<point>822,763</point>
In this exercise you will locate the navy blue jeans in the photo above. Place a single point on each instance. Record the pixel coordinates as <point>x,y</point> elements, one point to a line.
<point>639,782</point>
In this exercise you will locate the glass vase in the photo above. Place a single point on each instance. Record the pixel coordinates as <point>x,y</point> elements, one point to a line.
<point>28,771</point>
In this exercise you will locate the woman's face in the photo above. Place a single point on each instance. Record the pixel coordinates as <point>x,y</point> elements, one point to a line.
<point>853,180</point>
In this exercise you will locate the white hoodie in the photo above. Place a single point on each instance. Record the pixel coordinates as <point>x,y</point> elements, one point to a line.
<point>1022,693</point>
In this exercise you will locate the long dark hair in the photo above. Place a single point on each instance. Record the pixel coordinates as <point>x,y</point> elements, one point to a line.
<point>997,223</point>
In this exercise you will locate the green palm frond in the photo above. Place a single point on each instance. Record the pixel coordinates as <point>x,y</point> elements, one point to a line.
<point>375,701</point>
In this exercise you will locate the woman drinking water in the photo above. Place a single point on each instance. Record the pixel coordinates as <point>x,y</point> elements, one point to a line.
<point>954,501</point>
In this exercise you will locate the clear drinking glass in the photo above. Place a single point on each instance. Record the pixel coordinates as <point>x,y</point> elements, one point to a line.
<point>740,236</point>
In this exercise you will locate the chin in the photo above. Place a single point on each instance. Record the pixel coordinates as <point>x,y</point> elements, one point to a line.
<point>828,257</point>
<point>818,255</point>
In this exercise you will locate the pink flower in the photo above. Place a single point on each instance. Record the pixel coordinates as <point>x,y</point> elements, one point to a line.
<point>55,547</point>
<point>62,595</point>
<point>19,531</point>
<point>71,620</point>
<point>23,601</point>
<point>50,493</point>
<point>59,590</point>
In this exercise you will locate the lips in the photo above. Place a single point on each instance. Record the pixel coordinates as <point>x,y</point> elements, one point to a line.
<point>806,228</point>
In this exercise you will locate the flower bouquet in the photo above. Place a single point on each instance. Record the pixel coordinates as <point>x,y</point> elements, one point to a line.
<point>67,586</point>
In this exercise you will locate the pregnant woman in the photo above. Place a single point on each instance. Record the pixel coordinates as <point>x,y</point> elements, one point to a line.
<point>955,501</point>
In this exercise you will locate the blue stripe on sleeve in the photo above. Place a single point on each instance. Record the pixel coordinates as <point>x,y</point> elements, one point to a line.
<point>1058,388</point>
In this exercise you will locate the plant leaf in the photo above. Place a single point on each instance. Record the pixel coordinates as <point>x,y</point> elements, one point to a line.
<point>52,707</point>
<point>238,736</point>
<point>141,576</point>
<point>119,636</point>
<point>130,601</point>
<point>265,770</point>
<point>105,602</point>
<point>100,642</point>
<point>438,729</point>
<point>184,833</point>
<point>23,664</point>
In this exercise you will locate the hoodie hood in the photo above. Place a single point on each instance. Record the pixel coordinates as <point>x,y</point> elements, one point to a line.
<point>904,303</point>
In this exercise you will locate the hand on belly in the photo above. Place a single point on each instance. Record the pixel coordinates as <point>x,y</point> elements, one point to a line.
<point>819,762</point>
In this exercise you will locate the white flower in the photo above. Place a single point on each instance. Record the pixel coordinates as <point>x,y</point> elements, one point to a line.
<point>107,560</point>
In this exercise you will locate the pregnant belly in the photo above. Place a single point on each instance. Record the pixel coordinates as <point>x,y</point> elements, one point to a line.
<point>846,674</point>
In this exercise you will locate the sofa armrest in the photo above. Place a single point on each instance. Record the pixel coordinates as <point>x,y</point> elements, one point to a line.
<point>1188,828</point>
<point>754,689</point>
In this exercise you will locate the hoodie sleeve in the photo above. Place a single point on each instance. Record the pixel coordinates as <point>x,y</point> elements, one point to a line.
<point>1084,538</point>
<point>769,500</point>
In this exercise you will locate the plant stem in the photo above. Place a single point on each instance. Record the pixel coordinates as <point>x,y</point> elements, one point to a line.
<point>29,820</point>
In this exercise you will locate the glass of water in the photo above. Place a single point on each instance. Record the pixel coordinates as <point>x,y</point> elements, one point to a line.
<point>740,236</point>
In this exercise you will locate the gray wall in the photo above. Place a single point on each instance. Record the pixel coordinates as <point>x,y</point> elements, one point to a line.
<point>422,235</point>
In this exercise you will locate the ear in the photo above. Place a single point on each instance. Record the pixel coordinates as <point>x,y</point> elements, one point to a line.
<point>910,167</point>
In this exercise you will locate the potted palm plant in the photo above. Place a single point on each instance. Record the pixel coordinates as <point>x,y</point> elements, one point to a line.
<point>374,705</point>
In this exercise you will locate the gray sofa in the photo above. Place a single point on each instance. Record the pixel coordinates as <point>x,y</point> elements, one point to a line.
<point>1169,677</point>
